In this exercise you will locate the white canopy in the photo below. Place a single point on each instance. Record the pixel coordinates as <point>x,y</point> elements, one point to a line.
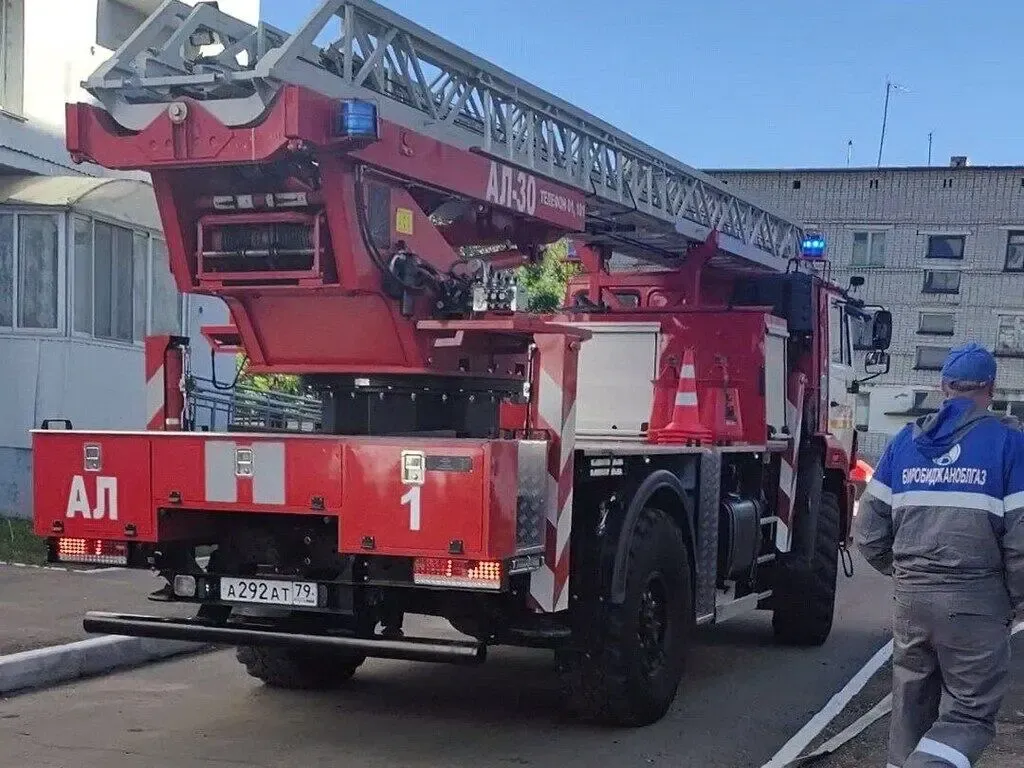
<point>125,201</point>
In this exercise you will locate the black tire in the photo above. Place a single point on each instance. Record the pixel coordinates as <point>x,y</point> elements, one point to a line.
<point>625,662</point>
<point>298,669</point>
<point>805,594</point>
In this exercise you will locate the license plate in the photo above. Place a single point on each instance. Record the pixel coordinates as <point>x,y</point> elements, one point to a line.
<point>268,592</point>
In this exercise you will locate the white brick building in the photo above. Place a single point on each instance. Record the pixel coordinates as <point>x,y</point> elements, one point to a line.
<point>942,247</point>
<point>83,261</point>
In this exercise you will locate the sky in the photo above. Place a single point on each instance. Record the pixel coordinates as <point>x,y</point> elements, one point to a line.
<point>760,83</point>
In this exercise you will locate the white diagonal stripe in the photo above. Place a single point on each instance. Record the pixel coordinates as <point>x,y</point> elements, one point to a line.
<point>568,437</point>
<point>786,479</point>
<point>782,536</point>
<point>542,587</point>
<point>563,599</point>
<point>944,752</point>
<point>549,402</point>
<point>563,528</point>
<point>551,514</point>
<point>154,394</point>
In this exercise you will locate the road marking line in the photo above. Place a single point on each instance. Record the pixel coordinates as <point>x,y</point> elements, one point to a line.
<point>790,754</point>
<point>852,731</point>
<point>792,748</point>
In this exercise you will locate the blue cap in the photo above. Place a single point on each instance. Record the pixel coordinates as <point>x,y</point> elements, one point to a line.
<point>970,362</point>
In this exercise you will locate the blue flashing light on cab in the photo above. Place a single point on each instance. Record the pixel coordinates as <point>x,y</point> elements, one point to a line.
<point>356,120</point>
<point>812,246</point>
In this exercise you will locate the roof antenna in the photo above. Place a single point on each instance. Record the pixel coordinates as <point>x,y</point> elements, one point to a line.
<point>889,87</point>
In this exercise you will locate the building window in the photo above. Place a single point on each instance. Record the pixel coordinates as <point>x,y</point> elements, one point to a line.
<point>1015,251</point>
<point>936,323</point>
<point>29,270</point>
<point>931,358</point>
<point>166,314</point>
<point>1010,336</point>
<point>114,269</point>
<point>868,249</point>
<point>12,55</point>
<point>941,281</point>
<point>113,308</point>
<point>946,246</point>
<point>1013,408</point>
<point>140,268</point>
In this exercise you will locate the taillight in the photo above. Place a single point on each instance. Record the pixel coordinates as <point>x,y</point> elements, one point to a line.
<point>446,572</point>
<point>97,551</point>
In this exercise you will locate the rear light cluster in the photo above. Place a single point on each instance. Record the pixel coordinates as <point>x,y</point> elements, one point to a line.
<point>97,551</point>
<point>446,572</point>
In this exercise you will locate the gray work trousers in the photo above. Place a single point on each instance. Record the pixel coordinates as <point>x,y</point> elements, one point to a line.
<point>951,654</point>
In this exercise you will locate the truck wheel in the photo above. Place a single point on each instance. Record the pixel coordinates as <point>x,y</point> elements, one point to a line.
<point>298,669</point>
<point>625,667</point>
<point>806,594</point>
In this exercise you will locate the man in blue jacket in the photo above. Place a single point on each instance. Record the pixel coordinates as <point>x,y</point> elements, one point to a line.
<point>944,516</point>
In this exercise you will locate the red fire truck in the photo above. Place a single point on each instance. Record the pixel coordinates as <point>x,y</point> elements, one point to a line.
<point>672,448</point>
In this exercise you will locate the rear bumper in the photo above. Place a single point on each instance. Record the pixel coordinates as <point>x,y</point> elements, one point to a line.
<point>196,630</point>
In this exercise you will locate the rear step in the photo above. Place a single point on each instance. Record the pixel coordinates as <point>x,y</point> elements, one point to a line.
<point>197,630</point>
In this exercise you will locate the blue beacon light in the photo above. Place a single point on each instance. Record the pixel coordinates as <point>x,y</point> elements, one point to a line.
<point>812,246</point>
<point>357,119</point>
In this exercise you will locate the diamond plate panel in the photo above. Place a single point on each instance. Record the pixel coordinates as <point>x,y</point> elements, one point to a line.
<point>533,495</point>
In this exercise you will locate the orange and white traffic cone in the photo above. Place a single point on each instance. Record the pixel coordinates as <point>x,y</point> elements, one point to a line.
<point>686,425</point>
<point>665,387</point>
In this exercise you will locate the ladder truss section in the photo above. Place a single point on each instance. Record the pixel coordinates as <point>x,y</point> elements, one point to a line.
<point>638,198</point>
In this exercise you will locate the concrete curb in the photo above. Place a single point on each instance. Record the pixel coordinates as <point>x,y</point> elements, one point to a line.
<point>60,663</point>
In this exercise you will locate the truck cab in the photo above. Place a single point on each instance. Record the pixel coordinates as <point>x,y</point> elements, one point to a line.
<point>851,321</point>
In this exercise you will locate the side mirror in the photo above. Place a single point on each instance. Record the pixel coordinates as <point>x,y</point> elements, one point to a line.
<point>877,362</point>
<point>856,281</point>
<point>881,330</point>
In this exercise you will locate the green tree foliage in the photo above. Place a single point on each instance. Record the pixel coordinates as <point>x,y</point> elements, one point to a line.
<point>546,280</point>
<point>267,382</point>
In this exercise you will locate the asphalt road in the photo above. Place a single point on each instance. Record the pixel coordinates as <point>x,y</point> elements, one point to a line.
<point>742,699</point>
